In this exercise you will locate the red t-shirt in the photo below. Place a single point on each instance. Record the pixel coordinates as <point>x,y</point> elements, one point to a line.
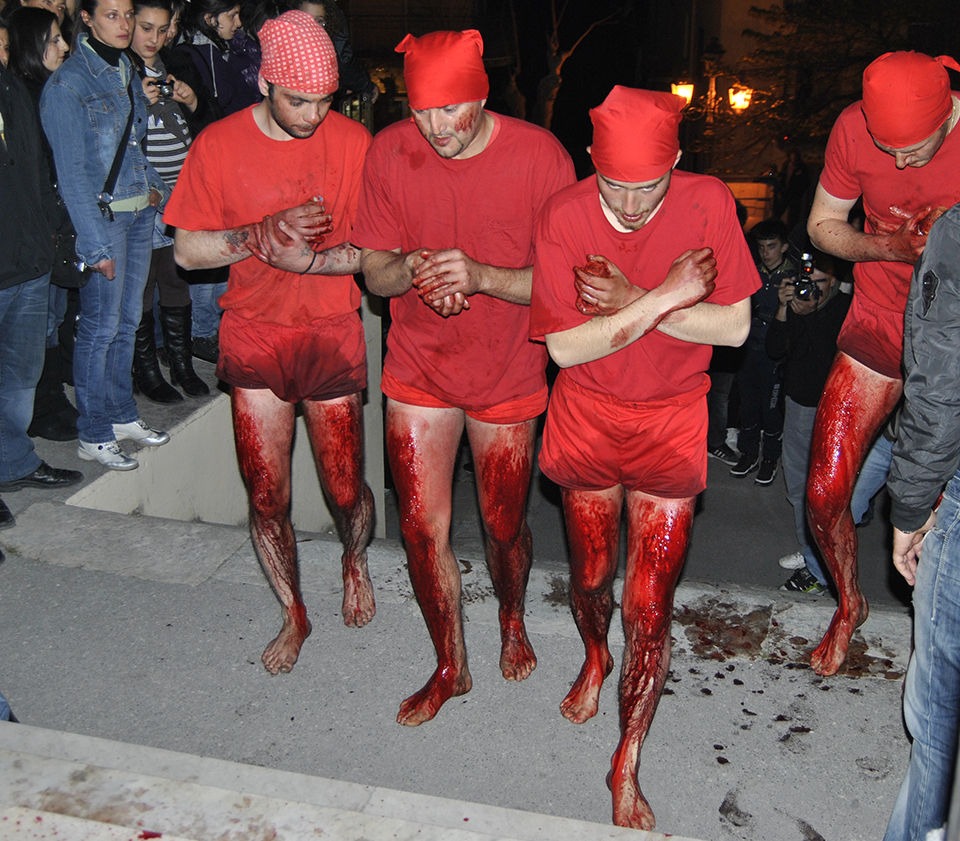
<point>854,166</point>
<point>698,211</point>
<point>235,175</point>
<point>486,206</point>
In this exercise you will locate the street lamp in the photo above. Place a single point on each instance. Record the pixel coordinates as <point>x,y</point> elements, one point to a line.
<point>740,96</point>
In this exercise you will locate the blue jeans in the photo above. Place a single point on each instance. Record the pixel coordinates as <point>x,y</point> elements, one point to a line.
<point>56,314</point>
<point>110,312</point>
<point>206,312</point>
<point>931,701</point>
<point>4,709</point>
<point>23,325</point>
<point>797,435</point>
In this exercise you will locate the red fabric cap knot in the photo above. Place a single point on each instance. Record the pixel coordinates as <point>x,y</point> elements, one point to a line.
<point>906,97</point>
<point>298,54</point>
<point>444,68</point>
<point>635,134</point>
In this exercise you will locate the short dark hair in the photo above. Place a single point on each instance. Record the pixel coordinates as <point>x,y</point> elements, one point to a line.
<point>29,30</point>
<point>195,19</point>
<point>769,229</point>
<point>825,263</point>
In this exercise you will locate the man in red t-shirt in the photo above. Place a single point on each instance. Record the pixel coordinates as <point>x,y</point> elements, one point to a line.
<point>288,337</point>
<point>638,271</point>
<point>446,226</point>
<point>899,150</point>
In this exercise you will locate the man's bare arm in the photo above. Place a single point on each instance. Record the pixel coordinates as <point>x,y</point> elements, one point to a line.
<point>710,324</point>
<point>388,273</point>
<point>211,249</point>
<point>690,279</point>
<point>451,271</point>
<point>831,232</point>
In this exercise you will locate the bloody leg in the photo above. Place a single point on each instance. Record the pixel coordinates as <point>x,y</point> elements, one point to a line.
<point>263,433</point>
<point>855,403</point>
<point>503,458</point>
<point>422,447</point>
<point>657,538</point>
<point>593,530</point>
<point>336,433</point>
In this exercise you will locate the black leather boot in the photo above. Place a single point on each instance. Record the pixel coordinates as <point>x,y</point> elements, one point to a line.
<point>53,414</point>
<point>147,378</point>
<point>175,322</point>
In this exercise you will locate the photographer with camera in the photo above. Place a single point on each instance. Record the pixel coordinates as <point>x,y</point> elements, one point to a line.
<point>804,335</point>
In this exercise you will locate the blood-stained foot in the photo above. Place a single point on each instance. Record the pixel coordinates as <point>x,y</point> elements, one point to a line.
<point>827,658</point>
<point>359,606</point>
<point>630,807</point>
<point>583,699</point>
<point>282,653</point>
<point>425,704</point>
<point>517,659</point>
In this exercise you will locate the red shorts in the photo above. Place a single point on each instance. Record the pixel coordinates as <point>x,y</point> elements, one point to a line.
<point>514,411</point>
<point>593,441</point>
<point>874,337</point>
<point>319,361</point>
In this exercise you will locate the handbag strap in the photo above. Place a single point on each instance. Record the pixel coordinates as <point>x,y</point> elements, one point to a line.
<point>104,199</point>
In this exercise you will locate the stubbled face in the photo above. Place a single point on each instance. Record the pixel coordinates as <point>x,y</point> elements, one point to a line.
<point>226,24</point>
<point>919,154</point>
<point>56,49</point>
<point>111,23</point>
<point>4,47</point>
<point>297,114</point>
<point>631,204</point>
<point>150,33</point>
<point>453,130</point>
<point>771,252</point>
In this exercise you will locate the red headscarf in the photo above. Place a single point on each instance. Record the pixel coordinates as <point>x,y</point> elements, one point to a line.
<point>444,68</point>
<point>906,97</point>
<point>635,136</point>
<point>298,54</point>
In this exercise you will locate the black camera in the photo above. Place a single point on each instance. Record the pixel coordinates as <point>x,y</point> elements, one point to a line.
<point>805,287</point>
<point>165,89</point>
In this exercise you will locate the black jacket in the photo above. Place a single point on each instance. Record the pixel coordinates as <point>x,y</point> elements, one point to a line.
<point>28,210</point>
<point>927,452</point>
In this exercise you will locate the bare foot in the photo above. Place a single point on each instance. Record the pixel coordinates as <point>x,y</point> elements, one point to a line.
<point>358,602</point>
<point>630,807</point>
<point>425,704</point>
<point>829,656</point>
<point>517,659</point>
<point>283,651</point>
<point>583,699</point>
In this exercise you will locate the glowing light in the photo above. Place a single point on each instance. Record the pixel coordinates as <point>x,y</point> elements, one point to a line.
<point>740,96</point>
<point>684,89</point>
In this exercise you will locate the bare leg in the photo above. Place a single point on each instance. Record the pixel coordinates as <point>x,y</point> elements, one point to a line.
<point>503,455</point>
<point>263,432</point>
<point>336,432</point>
<point>422,447</point>
<point>593,529</point>
<point>659,532</point>
<point>855,403</point>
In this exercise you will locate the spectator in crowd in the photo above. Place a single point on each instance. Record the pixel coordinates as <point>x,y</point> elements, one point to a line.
<point>28,216</point>
<point>168,139</point>
<point>90,107</point>
<point>758,380</point>
<point>37,49</point>
<point>926,457</point>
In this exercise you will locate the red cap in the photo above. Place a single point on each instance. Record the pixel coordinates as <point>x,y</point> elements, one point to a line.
<point>298,54</point>
<point>444,68</point>
<point>906,97</point>
<point>635,137</point>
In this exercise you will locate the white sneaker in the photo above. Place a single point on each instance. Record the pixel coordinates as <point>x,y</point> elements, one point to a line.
<point>141,433</point>
<point>793,561</point>
<point>109,454</point>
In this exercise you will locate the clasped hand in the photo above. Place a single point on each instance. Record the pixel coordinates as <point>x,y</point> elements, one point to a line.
<point>286,240</point>
<point>445,279</point>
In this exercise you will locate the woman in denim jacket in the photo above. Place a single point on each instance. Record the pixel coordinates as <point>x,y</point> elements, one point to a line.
<point>84,110</point>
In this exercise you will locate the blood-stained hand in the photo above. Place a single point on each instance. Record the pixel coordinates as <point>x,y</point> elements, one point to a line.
<point>310,219</point>
<point>282,246</point>
<point>908,239</point>
<point>691,278</point>
<point>444,280</point>
<point>602,289</point>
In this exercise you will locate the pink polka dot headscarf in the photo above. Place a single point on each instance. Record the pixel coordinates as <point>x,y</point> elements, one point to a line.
<point>298,54</point>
